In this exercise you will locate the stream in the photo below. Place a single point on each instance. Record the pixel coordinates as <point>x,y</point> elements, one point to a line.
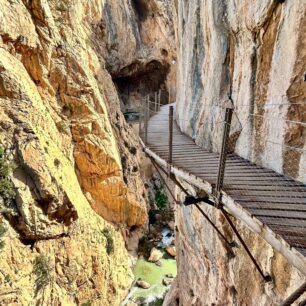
<point>153,274</point>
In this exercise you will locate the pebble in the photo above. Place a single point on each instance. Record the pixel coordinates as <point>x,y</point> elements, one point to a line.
<point>159,263</point>
<point>167,281</point>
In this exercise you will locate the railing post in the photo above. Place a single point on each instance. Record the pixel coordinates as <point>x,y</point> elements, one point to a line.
<point>222,161</point>
<point>141,114</point>
<point>146,119</point>
<point>170,135</point>
<point>155,102</point>
<point>159,96</point>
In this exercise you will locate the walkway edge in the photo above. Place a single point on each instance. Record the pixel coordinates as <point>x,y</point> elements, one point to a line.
<point>293,256</point>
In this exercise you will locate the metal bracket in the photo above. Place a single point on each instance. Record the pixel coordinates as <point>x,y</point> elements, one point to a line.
<point>190,200</point>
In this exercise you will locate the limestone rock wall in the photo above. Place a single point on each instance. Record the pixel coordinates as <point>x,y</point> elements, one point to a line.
<point>77,161</point>
<point>209,275</point>
<point>250,55</point>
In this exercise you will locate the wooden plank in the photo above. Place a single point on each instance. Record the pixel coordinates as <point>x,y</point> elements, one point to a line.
<point>279,214</point>
<point>289,230</point>
<point>301,250</point>
<point>259,188</point>
<point>269,193</point>
<point>276,183</point>
<point>272,206</point>
<point>282,221</point>
<point>273,199</point>
<point>297,241</point>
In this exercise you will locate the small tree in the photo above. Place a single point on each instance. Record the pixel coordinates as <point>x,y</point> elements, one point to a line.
<point>42,271</point>
<point>109,241</point>
<point>2,233</point>
<point>6,186</point>
<point>161,198</point>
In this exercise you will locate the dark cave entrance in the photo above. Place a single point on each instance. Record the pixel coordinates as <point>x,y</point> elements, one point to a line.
<point>141,8</point>
<point>136,81</point>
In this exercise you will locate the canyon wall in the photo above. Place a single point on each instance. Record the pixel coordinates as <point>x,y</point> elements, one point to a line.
<point>209,274</point>
<point>250,56</point>
<point>76,189</point>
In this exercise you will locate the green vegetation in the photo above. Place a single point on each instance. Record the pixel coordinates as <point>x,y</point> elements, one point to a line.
<point>57,162</point>
<point>161,198</point>
<point>2,233</point>
<point>6,186</point>
<point>68,107</point>
<point>133,150</point>
<point>157,302</point>
<point>7,279</point>
<point>88,303</point>
<point>7,192</point>
<point>42,271</point>
<point>109,241</point>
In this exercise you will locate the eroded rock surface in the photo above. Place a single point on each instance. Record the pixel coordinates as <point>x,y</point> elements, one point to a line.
<point>209,274</point>
<point>234,53</point>
<point>77,161</point>
<point>248,55</point>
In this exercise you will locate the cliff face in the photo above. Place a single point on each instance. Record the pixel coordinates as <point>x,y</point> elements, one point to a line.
<point>76,158</point>
<point>239,50</point>
<point>249,55</point>
<point>209,275</point>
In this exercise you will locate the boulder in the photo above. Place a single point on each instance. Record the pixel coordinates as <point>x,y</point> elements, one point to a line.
<point>171,225</point>
<point>140,301</point>
<point>158,217</point>
<point>143,284</point>
<point>155,255</point>
<point>171,250</point>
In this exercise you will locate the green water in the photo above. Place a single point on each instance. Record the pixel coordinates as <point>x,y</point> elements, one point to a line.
<point>154,275</point>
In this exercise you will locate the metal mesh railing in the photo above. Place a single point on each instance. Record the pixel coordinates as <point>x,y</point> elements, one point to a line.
<point>268,180</point>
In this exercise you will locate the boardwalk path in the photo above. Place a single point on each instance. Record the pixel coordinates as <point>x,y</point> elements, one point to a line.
<point>271,204</point>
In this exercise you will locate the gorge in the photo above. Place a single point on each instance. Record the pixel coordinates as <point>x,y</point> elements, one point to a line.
<point>82,208</point>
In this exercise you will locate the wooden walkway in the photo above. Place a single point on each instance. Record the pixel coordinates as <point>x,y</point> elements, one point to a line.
<point>272,205</point>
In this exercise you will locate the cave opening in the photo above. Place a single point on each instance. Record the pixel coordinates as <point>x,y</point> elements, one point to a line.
<point>136,81</point>
<point>141,9</point>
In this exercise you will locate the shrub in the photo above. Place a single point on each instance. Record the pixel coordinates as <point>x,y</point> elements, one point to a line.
<point>68,107</point>
<point>42,271</point>
<point>57,162</point>
<point>109,241</point>
<point>2,232</point>
<point>6,186</point>
<point>7,279</point>
<point>161,198</point>
<point>133,150</point>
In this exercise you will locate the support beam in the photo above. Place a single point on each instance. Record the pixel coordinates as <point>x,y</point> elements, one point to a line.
<point>146,119</point>
<point>173,178</point>
<point>266,278</point>
<point>294,296</point>
<point>155,102</point>
<point>170,135</point>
